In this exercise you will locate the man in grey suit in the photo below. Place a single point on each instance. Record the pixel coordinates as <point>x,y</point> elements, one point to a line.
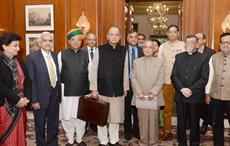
<point>147,82</point>
<point>46,86</point>
<point>189,77</point>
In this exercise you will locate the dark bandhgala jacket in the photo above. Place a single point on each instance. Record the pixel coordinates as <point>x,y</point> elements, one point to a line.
<point>190,71</point>
<point>111,70</point>
<point>74,72</point>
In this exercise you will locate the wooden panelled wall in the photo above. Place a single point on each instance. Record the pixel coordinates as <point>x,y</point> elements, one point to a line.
<point>101,14</point>
<point>205,16</point>
<point>198,16</point>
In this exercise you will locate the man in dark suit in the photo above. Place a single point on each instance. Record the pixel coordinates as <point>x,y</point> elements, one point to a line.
<point>189,77</point>
<point>43,70</point>
<point>206,112</point>
<point>131,129</point>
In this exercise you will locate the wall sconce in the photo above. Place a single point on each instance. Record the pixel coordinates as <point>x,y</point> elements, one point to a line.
<point>226,24</point>
<point>83,24</point>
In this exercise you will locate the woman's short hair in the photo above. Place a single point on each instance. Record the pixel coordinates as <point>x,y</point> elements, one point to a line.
<point>7,38</point>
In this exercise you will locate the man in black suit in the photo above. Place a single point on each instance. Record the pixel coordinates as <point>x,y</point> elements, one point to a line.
<point>131,129</point>
<point>189,77</point>
<point>206,111</point>
<point>43,70</point>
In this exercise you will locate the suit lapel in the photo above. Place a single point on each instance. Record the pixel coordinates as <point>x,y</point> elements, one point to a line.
<point>42,61</point>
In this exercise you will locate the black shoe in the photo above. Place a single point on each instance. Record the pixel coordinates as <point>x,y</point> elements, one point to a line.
<point>203,128</point>
<point>128,137</point>
<point>116,144</point>
<point>102,145</point>
<point>68,144</point>
<point>82,144</point>
<point>136,135</point>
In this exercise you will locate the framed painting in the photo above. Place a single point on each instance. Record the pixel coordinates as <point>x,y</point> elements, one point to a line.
<point>39,17</point>
<point>32,42</point>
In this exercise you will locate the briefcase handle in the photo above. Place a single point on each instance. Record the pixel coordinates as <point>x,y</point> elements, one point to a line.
<point>91,98</point>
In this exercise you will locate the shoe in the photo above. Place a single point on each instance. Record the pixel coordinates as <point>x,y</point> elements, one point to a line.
<point>128,137</point>
<point>136,135</point>
<point>167,136</point>
<point>203,129</point>
<point>116,144</point>
<point>102,145</point>
<point>82,144</point>
<point>68,144</point>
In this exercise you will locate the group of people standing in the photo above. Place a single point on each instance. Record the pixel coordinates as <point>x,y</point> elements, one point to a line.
<point>137,80</point>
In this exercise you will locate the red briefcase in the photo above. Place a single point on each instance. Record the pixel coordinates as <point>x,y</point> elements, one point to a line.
<point>93,111</point>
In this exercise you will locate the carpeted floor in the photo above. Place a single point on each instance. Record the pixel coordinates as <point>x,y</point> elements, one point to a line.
<point>91,138</point>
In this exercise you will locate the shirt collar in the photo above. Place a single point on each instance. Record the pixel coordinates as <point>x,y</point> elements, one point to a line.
<point>44,53</point>
<point>131,47</point>
<point>89,48</point>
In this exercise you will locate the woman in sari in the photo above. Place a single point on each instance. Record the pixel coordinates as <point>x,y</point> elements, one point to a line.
<point>12,92</point>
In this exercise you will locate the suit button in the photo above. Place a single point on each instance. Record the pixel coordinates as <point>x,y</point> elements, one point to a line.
<point>223,70</point>
<point>222,78</point>
<point>187,70</point>
<point>186,77</point>
<point>224,63</point>
<point>222,86</point>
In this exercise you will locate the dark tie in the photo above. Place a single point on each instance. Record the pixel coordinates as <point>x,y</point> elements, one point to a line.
<point>133,57</point>
<point>91,53</point>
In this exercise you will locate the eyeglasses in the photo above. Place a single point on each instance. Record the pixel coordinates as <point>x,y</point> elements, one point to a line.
<point>225,42</point>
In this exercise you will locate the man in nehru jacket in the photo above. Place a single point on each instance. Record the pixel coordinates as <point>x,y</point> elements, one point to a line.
<point>206,112</point>
<point>110,82</point>
<point>189,77</point>
<point>73,65</point>
<point>218,88</point>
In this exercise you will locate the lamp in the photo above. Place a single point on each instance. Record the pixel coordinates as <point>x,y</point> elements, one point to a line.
<point>226,24</point>
<point>157,15</point>
<point>83,23</point>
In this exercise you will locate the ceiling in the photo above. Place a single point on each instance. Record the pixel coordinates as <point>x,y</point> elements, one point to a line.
<point>140,7</point>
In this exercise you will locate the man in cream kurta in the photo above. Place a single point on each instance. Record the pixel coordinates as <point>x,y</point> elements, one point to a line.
<point>167,52</point>
<point>147,80</point>
<point>110,82</point>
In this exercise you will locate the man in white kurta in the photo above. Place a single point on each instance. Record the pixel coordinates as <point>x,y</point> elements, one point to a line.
<point>73,65</point>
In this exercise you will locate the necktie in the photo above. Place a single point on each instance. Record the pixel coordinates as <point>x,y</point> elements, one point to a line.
<point>91,53</point>
<point>51,71</point>
<point>133,57</point>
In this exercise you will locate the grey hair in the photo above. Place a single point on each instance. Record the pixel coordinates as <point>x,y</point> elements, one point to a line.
<point>45,33</point>
<point>87,36</point>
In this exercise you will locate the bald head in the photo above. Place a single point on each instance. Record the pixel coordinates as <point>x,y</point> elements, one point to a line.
<point>91,40</point>
<point>148,48</point>
<point>113,35</point>
<point>46,41</point>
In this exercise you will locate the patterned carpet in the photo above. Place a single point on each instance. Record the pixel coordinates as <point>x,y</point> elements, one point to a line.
<point>91,138</point>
